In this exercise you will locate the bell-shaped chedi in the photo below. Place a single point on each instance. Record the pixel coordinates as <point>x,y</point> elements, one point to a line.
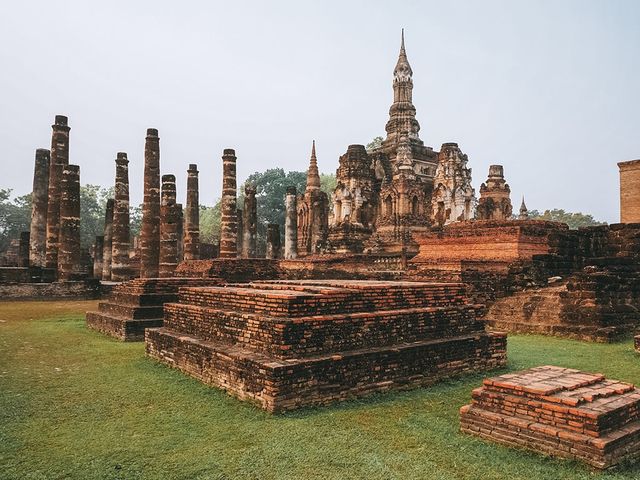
<point>495,197</point>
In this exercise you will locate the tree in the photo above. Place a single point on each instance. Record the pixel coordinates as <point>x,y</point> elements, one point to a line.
<point>328,183</point>
<point>375,143</point>
<point>93,203</point>
<point>15,217</point>
<point>574,220</point>
<point>210,223</point>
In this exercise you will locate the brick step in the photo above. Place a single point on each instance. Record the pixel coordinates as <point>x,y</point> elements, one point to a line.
<point>285,384</point>
<point>307,298</point>
<point>578,331</point>
<point>142,300</point>
<point>602,452</point>
<point>304,336</point>
<point>131,311</point>
<point>122,328</point>
<point>140,286</point>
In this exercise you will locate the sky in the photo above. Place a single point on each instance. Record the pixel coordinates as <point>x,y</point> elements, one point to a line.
<point>548,88</point>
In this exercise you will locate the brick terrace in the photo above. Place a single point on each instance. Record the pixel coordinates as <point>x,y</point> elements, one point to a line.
<point>287,344</point>
<point>558,411</point>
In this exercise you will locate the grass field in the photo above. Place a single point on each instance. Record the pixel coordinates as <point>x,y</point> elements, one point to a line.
<point>76,404</point>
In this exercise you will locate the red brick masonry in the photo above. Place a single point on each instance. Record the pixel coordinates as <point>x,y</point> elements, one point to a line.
<point>288,344</point>
<point>560,412</point>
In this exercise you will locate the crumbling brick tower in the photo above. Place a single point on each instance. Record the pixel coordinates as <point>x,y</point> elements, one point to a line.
<point>150,228</point>
<point>290,225</point>
<point>249,222</point>
<point>59,159</point>
<point>69,233</point>
<point>192,216</point>
<point>39,203</point>
<point>229,220</point>
<point>495,197</point>
<point>313,212</point>
<point>169,219</point>
<point>120,266</point>
<point>629,191</point>
<point>453,197</point>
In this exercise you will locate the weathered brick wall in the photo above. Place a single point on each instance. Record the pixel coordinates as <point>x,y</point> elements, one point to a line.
<point>87,289</point>
<point>630,191</point>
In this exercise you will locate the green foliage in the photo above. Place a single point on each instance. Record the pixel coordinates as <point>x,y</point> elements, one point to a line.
<point>93,203</point>
<point>328,183</point>
<point>375,143</point>
<point>77,404</point>
<point>574,220</point>
<point>271,187</point>
<point>210,223</point>
<point>15,217</point>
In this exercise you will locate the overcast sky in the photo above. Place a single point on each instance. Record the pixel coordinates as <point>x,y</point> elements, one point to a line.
<point>549,89</point>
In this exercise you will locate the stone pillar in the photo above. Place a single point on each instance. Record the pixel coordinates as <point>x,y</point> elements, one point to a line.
<point>150,228</point>
<point>39,203</point>
<point>629,191</point>
<point>239,237</point>
<point>23,249</point>
<point>180,221</point>
<point>69,235</point>
<point>291,225</point>
<point>168,227</point>
<point>98,257</point>
<point>120,265</point>
<point>192,216</point>
<point>249,222</point>
<point>108,232</point>
<point>229,220</point>
<point>59,159</point>
<point>273,241</point>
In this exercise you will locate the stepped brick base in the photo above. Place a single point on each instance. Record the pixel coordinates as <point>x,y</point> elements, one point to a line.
<point>136,305</point>
<point>288,344</point>
<point>560,412</point>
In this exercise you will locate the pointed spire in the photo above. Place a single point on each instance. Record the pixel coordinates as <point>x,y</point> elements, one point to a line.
<point>524,213</point>
<point>313,176</point>
<point>403,69</point>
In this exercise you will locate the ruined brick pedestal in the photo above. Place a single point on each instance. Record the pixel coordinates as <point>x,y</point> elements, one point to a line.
<point>288,344</point>
<point>137,304</point>
<point>560,412</point>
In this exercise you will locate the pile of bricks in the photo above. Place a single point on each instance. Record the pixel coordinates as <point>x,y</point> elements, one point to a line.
<point>133,306</point>
<point>288,344</point>
<point>560,412</point>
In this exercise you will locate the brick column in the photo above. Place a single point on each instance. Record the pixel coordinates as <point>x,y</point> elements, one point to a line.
<point>249,222</point>
<point>168,227</point>
<point>629,191</point>
<point>108,245</point>
<point>98,256</point>
<point>273,241</point>
<point>239,228</point>
<point>229,221</point>
<point>291,225</point>
<point>150,228</point>
<point>39,204</point>
<point>120,265</point>
<point>69,235</point>
<point>23,249</point>
<point>59,159</point>
<point>180,223</point>
<point>192,216</point>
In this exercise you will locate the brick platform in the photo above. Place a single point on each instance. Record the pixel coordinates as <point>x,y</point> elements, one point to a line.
<point>137,304</point>
<point>288,344</point>
<point>560,412</point>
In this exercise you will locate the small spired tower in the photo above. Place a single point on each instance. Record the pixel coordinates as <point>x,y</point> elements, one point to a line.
<point>495,199</point>
<point>313,212</point>
<point>453,196</point>
<point>524,213</point>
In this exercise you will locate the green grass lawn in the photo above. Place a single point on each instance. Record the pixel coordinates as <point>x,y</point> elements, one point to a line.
<point>77,404</point>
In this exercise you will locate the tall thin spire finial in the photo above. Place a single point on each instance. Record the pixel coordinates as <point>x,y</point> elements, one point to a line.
<point>313,175</point>
<point>402,42</point>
